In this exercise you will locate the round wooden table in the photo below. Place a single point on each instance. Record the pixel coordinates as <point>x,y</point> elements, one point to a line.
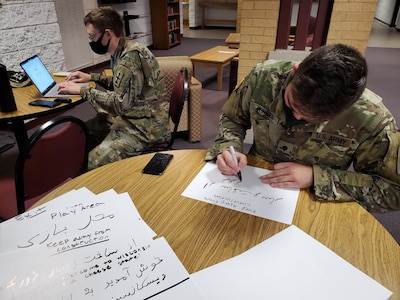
<point>203,234</point>
<point>25,112</point>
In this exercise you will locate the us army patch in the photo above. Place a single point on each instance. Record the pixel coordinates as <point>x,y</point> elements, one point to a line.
<point>331,139</point>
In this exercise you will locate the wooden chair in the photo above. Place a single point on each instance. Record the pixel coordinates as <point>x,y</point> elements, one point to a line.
<point>56,152</point>
<point>179,93</point>
<point>190,122</point>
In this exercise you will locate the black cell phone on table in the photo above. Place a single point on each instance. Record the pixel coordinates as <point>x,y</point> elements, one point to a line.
<point>44,103</point>
<point>63,100</point>
<point>157,164</point>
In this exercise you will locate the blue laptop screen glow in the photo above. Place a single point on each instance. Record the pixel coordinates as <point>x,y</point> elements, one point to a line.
<point>38,73</point>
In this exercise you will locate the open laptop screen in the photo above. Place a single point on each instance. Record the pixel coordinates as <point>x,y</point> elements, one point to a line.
<point>38,73</point>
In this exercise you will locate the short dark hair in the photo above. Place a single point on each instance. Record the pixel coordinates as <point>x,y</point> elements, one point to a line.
<point>105,18</point>
<point>329,80</point>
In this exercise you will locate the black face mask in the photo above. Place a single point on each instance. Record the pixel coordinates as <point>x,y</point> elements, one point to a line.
<point>97,47</point>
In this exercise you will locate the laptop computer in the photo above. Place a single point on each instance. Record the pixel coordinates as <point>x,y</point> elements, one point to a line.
<point>41,77</point>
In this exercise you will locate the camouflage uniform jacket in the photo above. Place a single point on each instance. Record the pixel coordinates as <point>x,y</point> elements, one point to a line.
<point>364,135</point>
<point>136,102</point>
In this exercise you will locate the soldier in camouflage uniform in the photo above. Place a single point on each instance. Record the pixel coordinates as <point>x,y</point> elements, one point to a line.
<point>132,115</point>
<point>313,121</point>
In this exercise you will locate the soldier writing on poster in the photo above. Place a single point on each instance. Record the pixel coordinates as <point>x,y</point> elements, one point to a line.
<point>314,120</point>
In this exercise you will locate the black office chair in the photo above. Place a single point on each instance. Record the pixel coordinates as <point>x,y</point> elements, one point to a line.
<point>177,100</point>
<point>56,152</point>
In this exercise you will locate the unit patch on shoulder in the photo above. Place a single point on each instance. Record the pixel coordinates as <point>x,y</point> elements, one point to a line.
<point>118,78</point>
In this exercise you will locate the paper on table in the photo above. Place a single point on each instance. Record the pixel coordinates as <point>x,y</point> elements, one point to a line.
<point>185,290</point>
<point>82,245</point>
<point>289,265</point>
<point>117,270</point>
<point>61,74</point>
<point>24,223</point>
<point>77,217</point>
<point>135,214</point>
<point>249,195</point>
<point>226,52</point>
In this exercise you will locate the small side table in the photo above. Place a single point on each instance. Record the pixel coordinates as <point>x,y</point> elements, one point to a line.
<point>233,40</point>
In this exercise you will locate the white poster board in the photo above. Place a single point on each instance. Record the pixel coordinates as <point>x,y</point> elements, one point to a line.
<point>249,196</point>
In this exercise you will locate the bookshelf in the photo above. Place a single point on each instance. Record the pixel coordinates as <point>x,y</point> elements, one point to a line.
<point>165,23</point>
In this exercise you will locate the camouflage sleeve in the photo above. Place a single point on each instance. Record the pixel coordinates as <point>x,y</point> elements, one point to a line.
<point>375,183</point>
<point>234,121</point>
<point>95,97</point>
<point>128,82</point>
<point>104,81</point>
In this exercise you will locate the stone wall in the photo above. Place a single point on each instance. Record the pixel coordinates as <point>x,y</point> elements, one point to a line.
<point>30,27</point>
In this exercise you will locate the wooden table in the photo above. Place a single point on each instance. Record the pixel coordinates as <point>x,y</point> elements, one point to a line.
<point>233,40</point>
<point>26,112</point>
<point>202,234</point>
<point>217,57</point>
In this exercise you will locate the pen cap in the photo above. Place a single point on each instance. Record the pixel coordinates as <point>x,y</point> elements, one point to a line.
<point>7,102</point>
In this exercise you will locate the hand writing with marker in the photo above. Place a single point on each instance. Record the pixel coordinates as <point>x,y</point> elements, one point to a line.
<point>228,166</point>
<point>284,175</point>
